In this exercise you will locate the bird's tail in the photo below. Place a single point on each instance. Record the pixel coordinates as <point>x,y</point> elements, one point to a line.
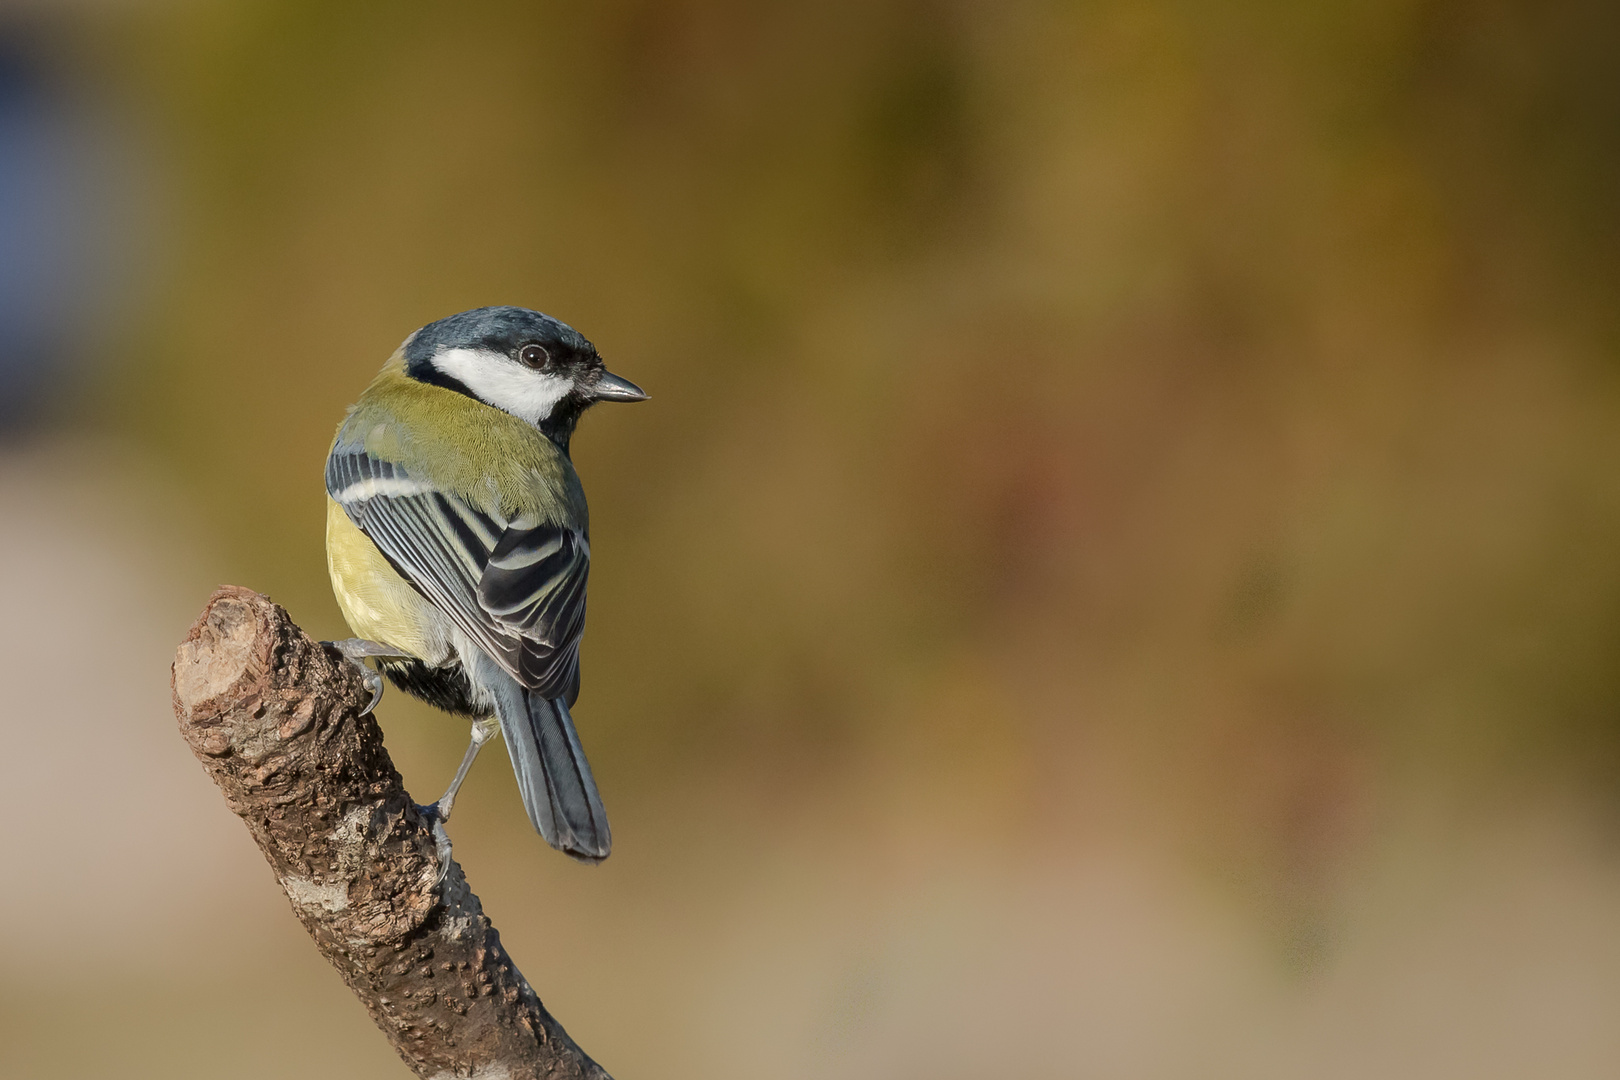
<point>552,773</point>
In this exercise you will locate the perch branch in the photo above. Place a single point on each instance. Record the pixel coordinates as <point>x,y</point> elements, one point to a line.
<point>275,719</point>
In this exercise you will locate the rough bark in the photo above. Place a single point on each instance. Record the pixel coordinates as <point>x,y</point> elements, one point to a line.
<point>275,719</point>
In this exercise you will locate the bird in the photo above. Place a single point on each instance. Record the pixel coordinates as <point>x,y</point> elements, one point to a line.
<point>458,543</point>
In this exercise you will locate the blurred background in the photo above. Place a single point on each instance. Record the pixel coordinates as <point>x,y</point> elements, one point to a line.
<point>1117,578</point>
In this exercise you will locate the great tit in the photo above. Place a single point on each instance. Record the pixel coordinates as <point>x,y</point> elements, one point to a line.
<point>458,542</point>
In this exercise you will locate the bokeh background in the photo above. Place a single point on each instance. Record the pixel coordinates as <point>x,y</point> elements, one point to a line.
<point>1118,577</point>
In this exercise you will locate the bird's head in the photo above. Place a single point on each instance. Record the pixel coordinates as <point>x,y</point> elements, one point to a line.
<point>518,361</point>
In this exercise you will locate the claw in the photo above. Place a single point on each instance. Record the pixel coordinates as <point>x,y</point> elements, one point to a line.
<point>357,649</point>
<point>374,683</point>
<point>441,840</point>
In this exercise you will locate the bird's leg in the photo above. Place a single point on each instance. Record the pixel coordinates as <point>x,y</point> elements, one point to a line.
<point>483,730</point>
<point>357,649</point>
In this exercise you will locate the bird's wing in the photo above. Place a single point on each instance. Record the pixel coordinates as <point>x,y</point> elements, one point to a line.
<point>516,587</point>
<point>534,583</point>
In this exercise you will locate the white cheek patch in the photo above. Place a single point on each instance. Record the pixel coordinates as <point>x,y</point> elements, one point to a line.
<point>498,381</point>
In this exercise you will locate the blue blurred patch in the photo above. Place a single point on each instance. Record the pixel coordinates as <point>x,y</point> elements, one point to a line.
<point>59,186</point>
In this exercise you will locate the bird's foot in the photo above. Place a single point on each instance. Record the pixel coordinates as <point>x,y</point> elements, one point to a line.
<point>357,649</point>
<point>441,839</point>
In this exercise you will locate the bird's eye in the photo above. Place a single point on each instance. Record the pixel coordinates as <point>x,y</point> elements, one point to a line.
<point>534,356</point>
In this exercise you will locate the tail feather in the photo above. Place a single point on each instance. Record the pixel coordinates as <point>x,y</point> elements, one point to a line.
<point>552,773</point>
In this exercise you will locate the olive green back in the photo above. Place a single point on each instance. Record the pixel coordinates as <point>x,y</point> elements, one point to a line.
<point>495,462</point>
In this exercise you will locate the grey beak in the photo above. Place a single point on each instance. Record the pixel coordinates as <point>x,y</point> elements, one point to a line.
<point>612,388</point>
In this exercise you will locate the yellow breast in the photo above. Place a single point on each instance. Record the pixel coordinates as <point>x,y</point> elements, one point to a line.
<point>378,604</point>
